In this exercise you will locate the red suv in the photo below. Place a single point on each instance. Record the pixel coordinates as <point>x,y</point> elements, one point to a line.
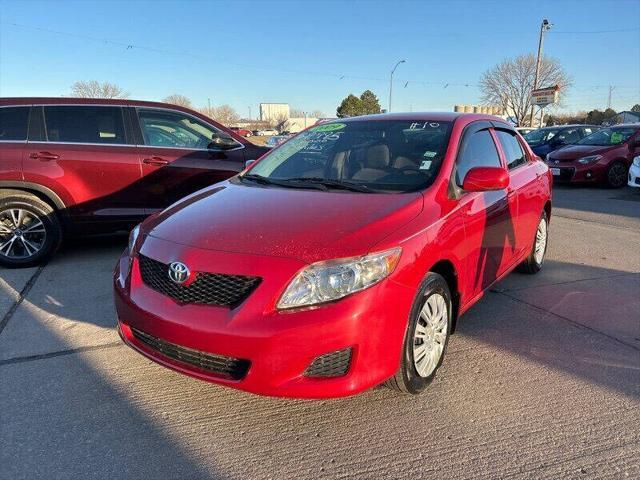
<point>76,166</point>
<point>338,261</point>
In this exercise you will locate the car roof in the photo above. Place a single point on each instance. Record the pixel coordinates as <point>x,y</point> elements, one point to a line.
<point>569,126</point>
<point>83,101</point>
<point>426,116</point>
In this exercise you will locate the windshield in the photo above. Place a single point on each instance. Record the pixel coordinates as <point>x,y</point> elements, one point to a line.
<point>608,136</point>
<point>540,136</point>
<point>375,155</point>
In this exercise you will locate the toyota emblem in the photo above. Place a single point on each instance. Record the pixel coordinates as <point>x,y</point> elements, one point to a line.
<point>178,272</point>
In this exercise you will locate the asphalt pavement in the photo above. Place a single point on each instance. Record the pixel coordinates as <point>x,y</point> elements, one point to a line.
<point>541,380</point>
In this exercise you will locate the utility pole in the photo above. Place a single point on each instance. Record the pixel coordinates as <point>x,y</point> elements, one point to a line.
<point>611,89</point>
<point>391,82</point>
<point>544,26</point>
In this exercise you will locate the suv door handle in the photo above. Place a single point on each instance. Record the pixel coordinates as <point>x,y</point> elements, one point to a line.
<point>44,156</point>
<point>157,161</point>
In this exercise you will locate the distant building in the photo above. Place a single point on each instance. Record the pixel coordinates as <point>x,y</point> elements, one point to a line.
<point>274,112</point>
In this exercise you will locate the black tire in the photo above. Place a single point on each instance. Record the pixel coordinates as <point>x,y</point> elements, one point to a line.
<point>407,379</point>
<point>531,265</point>
<point>36,209</point>
<point>617,174</point>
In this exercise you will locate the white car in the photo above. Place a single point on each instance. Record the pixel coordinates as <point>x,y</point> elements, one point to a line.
<point>267,132</point>
<point>634,173</point>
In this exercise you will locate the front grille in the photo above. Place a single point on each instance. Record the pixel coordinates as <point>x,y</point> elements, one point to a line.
<point>333,364</point>
<point>205,289</point>
<point>220,365</point>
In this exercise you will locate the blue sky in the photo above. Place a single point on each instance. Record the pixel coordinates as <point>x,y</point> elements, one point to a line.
<point>244,53</point>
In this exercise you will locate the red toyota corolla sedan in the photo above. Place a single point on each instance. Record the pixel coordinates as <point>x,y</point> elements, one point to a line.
<point>338,261</point>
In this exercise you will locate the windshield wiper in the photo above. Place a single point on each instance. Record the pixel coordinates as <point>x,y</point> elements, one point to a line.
<point>329,183</point>
<point>288,183</point>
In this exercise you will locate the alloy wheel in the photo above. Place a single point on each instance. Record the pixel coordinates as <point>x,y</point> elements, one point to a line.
<point>541,242</point>
<point>430,335</point>
<point>22,234</point>
<point>617,175</point>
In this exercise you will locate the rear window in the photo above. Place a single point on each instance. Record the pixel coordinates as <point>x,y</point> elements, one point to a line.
<point>80,124</point>
<point>13,123</point>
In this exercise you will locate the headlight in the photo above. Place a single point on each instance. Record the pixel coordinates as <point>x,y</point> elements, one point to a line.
<point>327,281</point>
<point>636,161</point>
<point>133,236</point>
<point>589,159</point>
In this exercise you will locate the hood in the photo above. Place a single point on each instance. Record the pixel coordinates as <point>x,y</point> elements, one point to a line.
<point>307,225</point>
<point>573,152</point>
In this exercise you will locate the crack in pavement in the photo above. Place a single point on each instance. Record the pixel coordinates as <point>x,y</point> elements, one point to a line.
<point>568,282</point>
<point>572,322</point>
<point>70,351</point>
<point>21,296</point>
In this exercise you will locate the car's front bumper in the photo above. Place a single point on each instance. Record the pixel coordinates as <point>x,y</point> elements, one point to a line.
<point>279,345</point>
<point>575,172</point>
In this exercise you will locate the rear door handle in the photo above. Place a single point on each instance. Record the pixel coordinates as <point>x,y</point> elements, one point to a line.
<point>44,156</point>
<point>157,161</point>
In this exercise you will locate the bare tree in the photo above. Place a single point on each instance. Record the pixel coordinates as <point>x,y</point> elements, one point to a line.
<point>296,113</point>
<point>177,99</point>
<point>223,114</point>
<point>95,89</point>
<point>317,114</point>
<point>509,83</point>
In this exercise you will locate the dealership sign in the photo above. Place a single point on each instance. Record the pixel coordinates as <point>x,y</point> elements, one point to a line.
<point>545,96</point>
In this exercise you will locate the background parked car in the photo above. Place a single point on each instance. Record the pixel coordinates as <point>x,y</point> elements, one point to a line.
<point>545,140</point>
<point>603,157</point>
<point>634,173</point>
<point>277,140</point>
<point>524,130</point>
<point>265,132</point>
<point>242,131</point>
<point>74,166</point>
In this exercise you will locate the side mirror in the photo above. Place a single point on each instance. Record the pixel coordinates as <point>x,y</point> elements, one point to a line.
<point>483,179</point>
<point>222,141</point>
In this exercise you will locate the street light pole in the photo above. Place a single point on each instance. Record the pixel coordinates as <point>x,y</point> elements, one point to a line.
<point>544,26</point>
<point>391,82</point>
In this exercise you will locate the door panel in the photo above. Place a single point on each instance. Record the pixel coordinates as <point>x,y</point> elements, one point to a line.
<point>13,136</point>
<point>86,154</point>
<point>179,157</point>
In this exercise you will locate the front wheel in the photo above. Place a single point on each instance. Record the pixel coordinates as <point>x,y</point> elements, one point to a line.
<point>533,263</point>
<point>426,337</point>
<point>617,175</point>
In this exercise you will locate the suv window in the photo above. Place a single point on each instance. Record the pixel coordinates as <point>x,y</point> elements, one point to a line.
<point>514,155</point>
<point>163,128</point>
<point>13,123</point>
<point>479,151</point>
<point>84,124</point>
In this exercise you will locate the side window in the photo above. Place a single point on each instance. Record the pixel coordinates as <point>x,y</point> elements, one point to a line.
<point>13,123</point>
<point>479,151</point>
<point>568,137</point>
<point>163,128</point>
<point>84,124</point>
<point>514,155</point>
<point>587,131</point>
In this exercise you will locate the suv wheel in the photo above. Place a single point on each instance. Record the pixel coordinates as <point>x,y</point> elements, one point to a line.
<point>29,230</point>
<point>426,337</point>
<point>617,175</point>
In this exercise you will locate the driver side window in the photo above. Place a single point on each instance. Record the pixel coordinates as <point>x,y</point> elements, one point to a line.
<point>163,128</point>
<point>478,151</point>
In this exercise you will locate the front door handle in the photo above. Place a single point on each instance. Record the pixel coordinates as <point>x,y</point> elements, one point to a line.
<point>157,161</point>
<point>43,156</point>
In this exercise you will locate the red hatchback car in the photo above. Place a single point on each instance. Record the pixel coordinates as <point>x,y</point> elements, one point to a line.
<point>338,261</point>
<point>71,166</point>
<point>604,157</point>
